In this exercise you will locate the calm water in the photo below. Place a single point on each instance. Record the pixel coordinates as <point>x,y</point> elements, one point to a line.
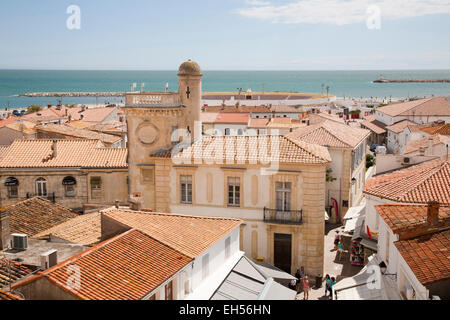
<point>348,83</point>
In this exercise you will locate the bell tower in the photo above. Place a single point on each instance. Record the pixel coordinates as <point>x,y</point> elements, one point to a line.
<point>190,91</point>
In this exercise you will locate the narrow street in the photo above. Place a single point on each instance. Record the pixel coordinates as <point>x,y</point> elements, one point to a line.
<point>333,266</point>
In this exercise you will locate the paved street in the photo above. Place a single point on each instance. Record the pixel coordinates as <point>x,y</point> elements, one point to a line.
<point>332,266</point>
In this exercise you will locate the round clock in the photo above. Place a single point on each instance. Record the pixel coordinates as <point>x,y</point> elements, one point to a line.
<point>147,133</point>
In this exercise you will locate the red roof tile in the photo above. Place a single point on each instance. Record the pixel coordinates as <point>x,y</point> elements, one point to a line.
<point>428,256</point>
<point>126,267</point>
<point>428,181</point>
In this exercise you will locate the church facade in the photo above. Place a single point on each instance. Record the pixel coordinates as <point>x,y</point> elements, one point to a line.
<point>275,184</point>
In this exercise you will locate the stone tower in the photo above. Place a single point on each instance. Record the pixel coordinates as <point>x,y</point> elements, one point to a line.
<point>190,90</point>
<point>152,119</point>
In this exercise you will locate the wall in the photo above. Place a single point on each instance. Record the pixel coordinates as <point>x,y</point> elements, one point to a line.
<point>8,135</point>
<point>388,162</point>
<point>43,289</point>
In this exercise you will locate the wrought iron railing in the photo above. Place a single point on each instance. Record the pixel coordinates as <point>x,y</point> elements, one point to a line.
<point>283,216</point>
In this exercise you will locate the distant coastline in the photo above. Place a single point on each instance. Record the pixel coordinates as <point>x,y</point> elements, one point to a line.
<point>383,80</point>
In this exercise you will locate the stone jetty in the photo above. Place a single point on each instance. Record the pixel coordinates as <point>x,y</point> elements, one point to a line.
<point>73,94</point>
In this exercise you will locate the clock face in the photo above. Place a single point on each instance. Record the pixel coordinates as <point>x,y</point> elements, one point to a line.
<point>147,133</point>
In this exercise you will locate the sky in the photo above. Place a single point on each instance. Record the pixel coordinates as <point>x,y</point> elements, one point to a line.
<point>225,35</point>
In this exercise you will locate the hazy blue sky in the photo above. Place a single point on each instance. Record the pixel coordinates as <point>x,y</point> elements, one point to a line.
<point>226,35</point>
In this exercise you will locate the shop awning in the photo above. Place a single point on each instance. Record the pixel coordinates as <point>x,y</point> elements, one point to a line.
<point>358,228</point>
<point>372,245</point>
<point>355,212</point>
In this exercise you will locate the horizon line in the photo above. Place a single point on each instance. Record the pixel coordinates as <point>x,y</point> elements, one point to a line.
<point>223,70</point>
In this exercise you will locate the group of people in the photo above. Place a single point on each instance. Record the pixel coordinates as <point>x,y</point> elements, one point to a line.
<point>329,283</point>
<point>301,282</point>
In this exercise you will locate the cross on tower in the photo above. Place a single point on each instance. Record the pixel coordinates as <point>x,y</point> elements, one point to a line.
<point>188,93</point>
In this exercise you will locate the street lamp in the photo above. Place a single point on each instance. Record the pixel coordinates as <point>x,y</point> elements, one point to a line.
<point>353,181</point>
<point>383,269</point>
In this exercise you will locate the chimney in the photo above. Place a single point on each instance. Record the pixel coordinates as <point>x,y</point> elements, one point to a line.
<point>430,144</point>
<point>54,148</point>
<point>136,201</point>
<point>116,204</point>
<point>4,229</point>
<point>433,213</point>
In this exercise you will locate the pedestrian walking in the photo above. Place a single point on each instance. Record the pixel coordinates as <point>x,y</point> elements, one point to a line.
<point>333,282</point>
<point>300,274</point>
<point>327,284</point>
<point>306,288</point>
<point>340,250</point>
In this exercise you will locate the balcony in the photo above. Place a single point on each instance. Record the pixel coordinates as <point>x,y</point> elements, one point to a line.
<point>283,217</point>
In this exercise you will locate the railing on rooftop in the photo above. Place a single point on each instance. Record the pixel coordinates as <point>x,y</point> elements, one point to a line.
<point>283,216</point>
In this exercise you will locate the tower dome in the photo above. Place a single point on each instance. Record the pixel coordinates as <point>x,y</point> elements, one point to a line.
<point>190,68</point>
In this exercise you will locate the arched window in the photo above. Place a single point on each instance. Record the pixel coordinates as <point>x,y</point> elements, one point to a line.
<point>41,187</point>
<point>12,184</point>
<point>227,131</point>
<point>240,132</point>
<point>69,183</point>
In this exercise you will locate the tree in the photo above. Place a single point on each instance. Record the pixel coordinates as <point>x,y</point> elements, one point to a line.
<point>328,89</point>
<point>370,161</point>
<point>33,108</point>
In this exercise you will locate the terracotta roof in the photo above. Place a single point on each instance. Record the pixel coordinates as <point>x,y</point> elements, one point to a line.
<point>11,272</point>
<point>208,117</point>
<point>84,229</point>
<point>247,149</point>
<point>415,145</point>
<point>71,132</point>
<point>420,183</point>
<point>6,121</point>
<point>126,267</point>
<point>443,129</point>
<point>400,126</point>
<point>239,109</point>
<point>330,134</point>
<point>190,235</point>
<point>286,109</point>
<point>258,122</point>
<point>3,150</point>
<point>401,217</point>
<point>96,114</point>
<point>428,256</point>
<point>5,295</point>
<point>439,106</point>
<point>374,125</point>
<point>36,214</point>
<point>26,127</point>
<point>70,153</point>
<point>321,117</point>
<point>114,127</point>
<point>78,124</point>
<point>241,118</point>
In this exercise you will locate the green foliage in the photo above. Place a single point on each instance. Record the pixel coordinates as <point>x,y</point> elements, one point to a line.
<point>329,177</point>
<point>33,108</point>
<point>370,161</point>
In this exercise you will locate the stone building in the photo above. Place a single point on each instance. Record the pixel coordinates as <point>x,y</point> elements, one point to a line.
<point>73,173</point>
<point>274,184</point>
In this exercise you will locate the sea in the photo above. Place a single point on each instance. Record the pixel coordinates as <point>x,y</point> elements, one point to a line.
<point>356,84</point>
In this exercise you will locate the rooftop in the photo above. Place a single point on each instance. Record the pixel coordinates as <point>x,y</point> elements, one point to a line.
<point>402,218</point>
<point>420,183</point>
<point>439,106</point>
<point>238,109</point>
<point>69,153</point>
<point>5,295</point>
<point>443,129</point>
<point>401,125</point>
<point>84,229</point>
<point>428,256</point>
<point>126,267</point>
<point>191,235</point>
<point>374,125</point>
<point>36,214</point>
<point>252,149</point>
<point>11,272</point>
<point>330,134</point>
<point>436,139</point>
<point>71,132</point>
<point>235,118</point>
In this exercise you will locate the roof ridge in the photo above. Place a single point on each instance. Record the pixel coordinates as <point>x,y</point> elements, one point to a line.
<point>307,150</point>
<point>112,209</point>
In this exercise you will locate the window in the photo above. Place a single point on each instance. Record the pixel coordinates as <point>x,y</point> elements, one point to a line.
<point>227,247</point>
<point>169,291</point>
<point>96,183</point>
<point>283,196</point>
<point>41,187</point>
<point>240,132</point>
<point>12,184</point>
<point>234,192</point>
<point>227,131</point>
<point>147,175</point>
<point>186,189</point>
<point>205,266</point>
<point>69,186</point>
<point>175,134</point>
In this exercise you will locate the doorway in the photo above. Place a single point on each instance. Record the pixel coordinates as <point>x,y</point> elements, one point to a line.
<point>282,251</point>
